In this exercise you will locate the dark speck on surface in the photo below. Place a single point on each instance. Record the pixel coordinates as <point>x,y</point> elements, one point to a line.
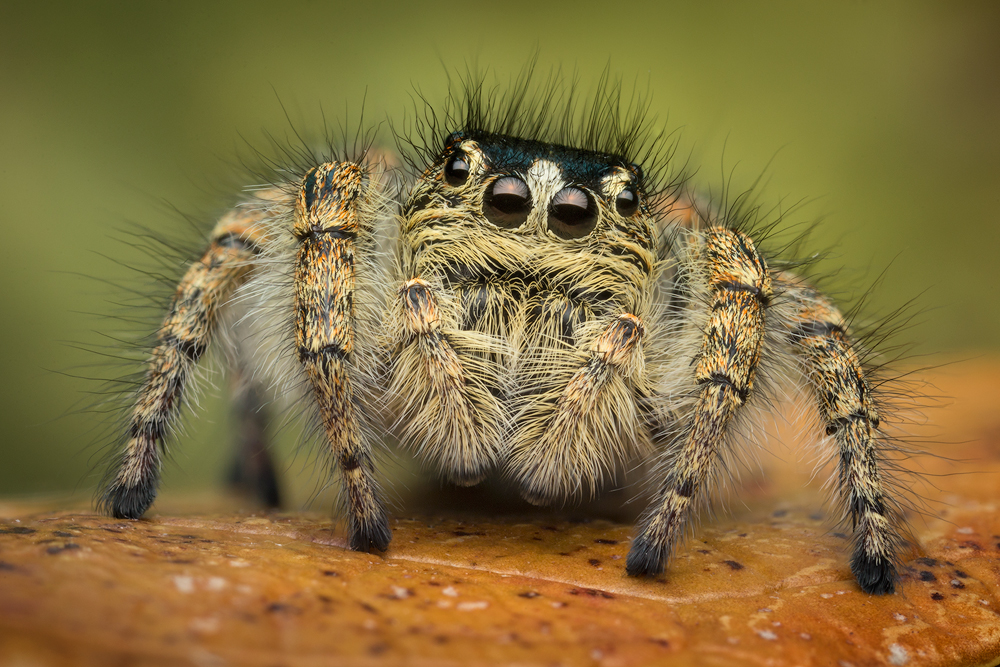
<point>733,565</point>
<point>66,547</point>
<point>927,575</point>
<point>378,649</point>
<point>592,592</point>
<point>936,596</point>
<point>278,607</point>
<point>16,530</point>
<point>929,562</point>
<point>602,541</point>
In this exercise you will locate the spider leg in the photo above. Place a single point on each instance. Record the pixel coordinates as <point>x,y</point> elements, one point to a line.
<point>448,410</point>
<point>818,334</point>
<point>327,223</point>
<point>183,338</point>
<point>570,433</point>
<point>253,471</point>
<point>739,288</point>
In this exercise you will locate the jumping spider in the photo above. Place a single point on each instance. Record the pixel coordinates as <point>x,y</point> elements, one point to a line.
<point>535,297</point>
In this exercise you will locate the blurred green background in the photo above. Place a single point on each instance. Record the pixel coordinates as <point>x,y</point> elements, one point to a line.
<point>885,115</point>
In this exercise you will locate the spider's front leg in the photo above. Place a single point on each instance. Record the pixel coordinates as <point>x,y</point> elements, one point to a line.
<point>328,219</point>
<point>583,417</point>
<point>441,376</point>
<point>740,289</point>
<point>183,338</point>
<point>818,334</point>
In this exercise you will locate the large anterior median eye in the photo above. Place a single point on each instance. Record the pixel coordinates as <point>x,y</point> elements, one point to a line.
<point>507,202</point>
<point>572,214</point>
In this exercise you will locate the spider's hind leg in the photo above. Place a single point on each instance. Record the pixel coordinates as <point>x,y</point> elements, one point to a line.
<point>818,334</point>
<point>183,338</point>
<point>253,473</point>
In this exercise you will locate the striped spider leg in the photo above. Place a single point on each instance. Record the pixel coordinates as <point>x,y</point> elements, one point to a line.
<point>740,302</point>
<point>848,405</point>
<point>315,226</point>
<point>183,338</point>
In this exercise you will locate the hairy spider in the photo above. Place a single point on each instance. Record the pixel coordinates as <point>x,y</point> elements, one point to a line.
<point>540,296</point>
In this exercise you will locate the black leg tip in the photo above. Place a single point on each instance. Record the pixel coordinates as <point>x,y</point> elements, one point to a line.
<point>128,502</point>
<point>645,558</point>
<point>875,575</point>
<point>371,536</point>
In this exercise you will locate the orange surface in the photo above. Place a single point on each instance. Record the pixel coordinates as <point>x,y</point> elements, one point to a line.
<point>767,586</point>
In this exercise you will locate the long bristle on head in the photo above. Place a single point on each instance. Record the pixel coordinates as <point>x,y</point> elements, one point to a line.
<point>555,109</point>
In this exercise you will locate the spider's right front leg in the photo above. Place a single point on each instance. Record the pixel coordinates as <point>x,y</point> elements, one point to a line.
<point>327,224</point>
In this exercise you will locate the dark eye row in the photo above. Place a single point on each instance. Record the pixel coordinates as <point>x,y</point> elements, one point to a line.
<point>507,202</point>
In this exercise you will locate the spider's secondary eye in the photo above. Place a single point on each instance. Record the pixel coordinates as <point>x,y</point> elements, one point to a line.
<point>572,214</point>
<point>456,171</point>
<point>627,202</point>
<point>507,202</point>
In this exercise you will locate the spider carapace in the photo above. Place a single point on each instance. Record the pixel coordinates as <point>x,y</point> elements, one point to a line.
<point>529,302</point>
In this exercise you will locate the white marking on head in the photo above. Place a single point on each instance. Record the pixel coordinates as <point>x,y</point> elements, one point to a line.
<point>544,179</point>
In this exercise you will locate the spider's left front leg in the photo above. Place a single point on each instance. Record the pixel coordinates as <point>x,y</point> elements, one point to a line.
<point>739,289</point>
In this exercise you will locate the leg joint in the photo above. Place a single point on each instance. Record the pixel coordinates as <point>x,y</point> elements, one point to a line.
<point>762,298</point>
<point>192,349</point>
<point>723,380</point>
<point>817,329</point>
<point>838,423</point>
<point>325,353</point>
<point>420,306</point>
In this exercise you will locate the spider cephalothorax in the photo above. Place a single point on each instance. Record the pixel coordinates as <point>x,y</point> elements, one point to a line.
<point>545,308</point>
<point>533,244</point>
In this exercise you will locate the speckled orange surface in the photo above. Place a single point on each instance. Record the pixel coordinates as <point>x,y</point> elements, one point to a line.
<point>767,586</point>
